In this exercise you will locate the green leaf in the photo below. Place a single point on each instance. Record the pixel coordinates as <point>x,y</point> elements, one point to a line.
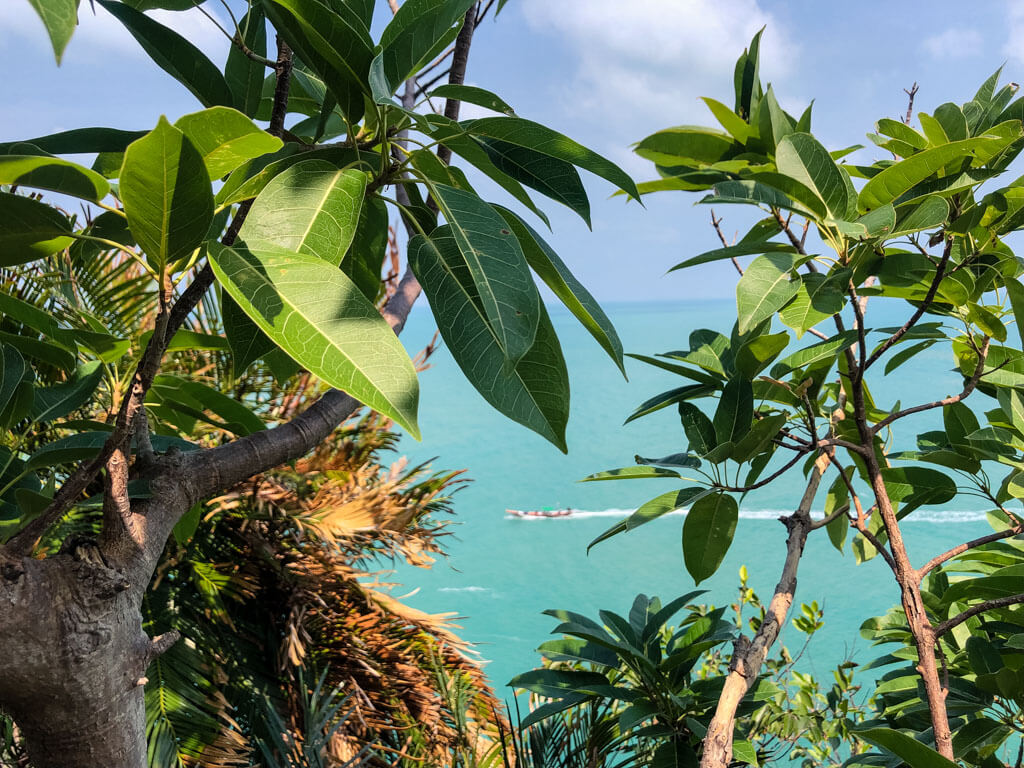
<point>801,157</point>
<point>473,95</point>
<point>699,430</point>
<point>631,473</point>
<point>30,230</point>
<point>41,172</point>
<point>747,192</point>
<point>166,194</point>
<point>686,145</point>
<point>900,177</point>
<point>411,36</point>
<point>745,752</point>
<point>85,445</point>
<point>707,534</point>
<point>918,485</point>
<point>250,179</point>
<point>310,208</point>
<point>333,42</point>
<point>535,391</point>
<point>737,127</point>
<point>363,260</point>
<point>735,411</point>
<point>556,275</point>
<point>225,138</point>
<point>819,297</point>
<point>524,133</point>
<point>901,131</point>
<point>758,438</point>
<point>12,371</point>
<point>815,353</point>
<point>248,343</point>
<point>910,750</point>
<point>959,421</point>
<point>551,177</point>
<point>61,399</point>
<point>952,121</point>
<point>198,397</point>
<point>652,510</point>
<point>930,212</point>
<point>1014,291</point>
<point>244,75</point>
<point>174,55</point>
<point>838,496</point>
<point>494,262</point>
<point>79,140</point>
<point>773,123</point>
<point>764,289</point>
<point>316,314</point>
<point>60,18</point>
<point>751,248</point>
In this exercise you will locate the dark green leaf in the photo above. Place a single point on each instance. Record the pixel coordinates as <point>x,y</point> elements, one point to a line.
<point>61,399</point>
<point>12,371</point>
<point>552,270</point>
<point>363,260</point>
<point>535,391</point>
<point>801,157</point>
<point>493,260</point>
<point>735,411</point>
<point>699,429</point>
<point>41,172</point>
<point>473,95</point>
<point>534,136</point>
<point>30,230</point>
<point>652,510</point>
<point>754,247</point>
<point>244,75</point>
<point>174,55</point>
<point>910,750</point>
<point>707,534</point>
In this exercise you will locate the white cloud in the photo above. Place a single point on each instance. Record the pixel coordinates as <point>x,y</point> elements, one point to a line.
<point>647,61</point>
<point>954,43</point>
<point>101,35</point>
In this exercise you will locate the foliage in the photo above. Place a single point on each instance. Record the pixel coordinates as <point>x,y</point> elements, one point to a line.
<point>831,240</point>
<point>640,691</point>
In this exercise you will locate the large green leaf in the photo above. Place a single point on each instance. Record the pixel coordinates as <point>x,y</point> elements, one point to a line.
<point>918,485</point>
<point>820,296</point>
<point>900,177</point>
<point>815,353</point>
<point>698,428</point>
<point>248,343</point>
<point>652,510</point>
<point>61,399</point>
<point>410,38</point>
<point>316,314</point>
<point>471,94</point>
<point>515,130</point>
<point>12,371</point>
<point>764,289</point>
<point>244,75</point>
<point>364,258</point>
<point>801,157</point>
<point>334,42</point>
<point>707,534</point>
<point>247,181</point>
<point>311,208</point>
<point>79,140</point>
<point>225,138</point>
<point>166,194</point>
<point>60,18</point>
<point>556,275</point>
<point>550,176</point>
<point>495,264</point>
<point>53,173</point>
<point>687,145</point>
<point>535,392</point>
<point>749,192</point>
<point>30,230</point>
<point>735,411</point>
<point>749,248</point>
<point>907,748</point>
<point>174,55</point>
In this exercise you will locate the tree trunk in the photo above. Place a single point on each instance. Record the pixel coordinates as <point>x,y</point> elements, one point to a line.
<point>72,657</point>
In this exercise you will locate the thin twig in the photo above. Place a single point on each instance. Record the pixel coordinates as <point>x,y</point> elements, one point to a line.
<point>910,102</point>
<point>1002,602</point>
<point>960,548</point>
<point>716,223</point>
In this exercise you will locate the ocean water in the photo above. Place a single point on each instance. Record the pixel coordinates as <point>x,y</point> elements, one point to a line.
<point>502,572</point>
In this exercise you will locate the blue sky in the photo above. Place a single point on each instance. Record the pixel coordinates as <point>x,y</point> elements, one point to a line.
<point>605,72</point>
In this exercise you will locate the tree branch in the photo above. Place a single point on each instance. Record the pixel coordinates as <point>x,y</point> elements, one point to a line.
<point>457,74</point>
<point>967,390</point>
<point>1002,602</point>
<point>960,548</point>
<point>940,271</point>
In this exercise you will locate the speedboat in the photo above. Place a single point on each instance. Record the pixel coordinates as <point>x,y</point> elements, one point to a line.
<point>538,512</point>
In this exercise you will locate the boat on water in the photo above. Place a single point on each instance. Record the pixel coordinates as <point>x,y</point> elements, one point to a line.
<point>539,512</point>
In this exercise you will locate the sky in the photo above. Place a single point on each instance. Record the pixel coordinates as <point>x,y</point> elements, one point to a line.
<point>605,72</point>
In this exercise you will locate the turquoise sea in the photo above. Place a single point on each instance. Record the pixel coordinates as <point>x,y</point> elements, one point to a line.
<point>502,572</point>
